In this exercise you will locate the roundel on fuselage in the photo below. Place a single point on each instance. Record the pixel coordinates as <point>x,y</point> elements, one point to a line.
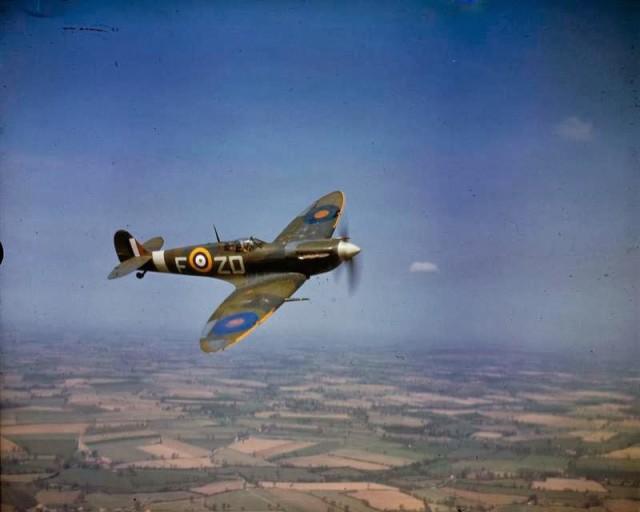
<point>200,260</point>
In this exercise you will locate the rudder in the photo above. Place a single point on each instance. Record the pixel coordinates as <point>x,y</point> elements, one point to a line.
<point>127,246</point>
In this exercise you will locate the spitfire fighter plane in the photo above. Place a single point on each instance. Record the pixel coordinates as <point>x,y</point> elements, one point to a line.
<point>265,274</point>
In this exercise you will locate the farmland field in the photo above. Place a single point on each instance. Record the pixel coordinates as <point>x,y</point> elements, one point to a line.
<point>489,499</point>
<point>44,428</point>
<point>591,436</point>
<point>491,436</point>
<point>291,499</point>
<point>571,484</point>
<point>119,451</point>
<point>220,487</point>
<point>301,415</point>
<point>632,452</point>
<point>388,500</point>
<point>9,446</point>
<point>113,501</point>
<point>376,458</point>
<point>47,445</point>
<point>621,506</point>
<point>327,486</point>
<point>171,463</point>
<point>553,420</point>
<point>228,456</point>
<point>53,498</point>
<point>513,466</point>
<point>269,447</point>
<point>333,461</point>
<point>173,449</point>
<point>309,432</point>
<point>388,419</point>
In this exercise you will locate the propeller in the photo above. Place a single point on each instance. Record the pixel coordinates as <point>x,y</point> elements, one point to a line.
<point>353,272</point>
<point>344,232</point>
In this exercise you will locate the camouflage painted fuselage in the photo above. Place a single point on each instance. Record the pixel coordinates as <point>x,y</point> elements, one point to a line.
<point>230,262</point>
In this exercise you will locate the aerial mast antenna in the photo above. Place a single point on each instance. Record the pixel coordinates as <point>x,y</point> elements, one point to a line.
<point>216,231</point>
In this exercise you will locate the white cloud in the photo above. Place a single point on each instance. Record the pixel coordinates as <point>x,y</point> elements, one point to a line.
<point>423,266</point>
<point>574,128</point>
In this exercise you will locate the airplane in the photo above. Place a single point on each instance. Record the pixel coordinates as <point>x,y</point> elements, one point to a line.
<point>265,274</point>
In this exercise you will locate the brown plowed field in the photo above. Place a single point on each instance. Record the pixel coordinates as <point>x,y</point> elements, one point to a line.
<point>491,499</point>
<point>332,461</point>
<point>591,436</point>
<point>376,458</point>
<point>633,452</point>
<point>568,484</point>
<point>220,487</point>
<point>268,447</point>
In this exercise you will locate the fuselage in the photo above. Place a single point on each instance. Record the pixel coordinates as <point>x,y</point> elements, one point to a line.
<point>234,261</point>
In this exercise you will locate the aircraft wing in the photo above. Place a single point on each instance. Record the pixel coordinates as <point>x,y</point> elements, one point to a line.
<point>317,221</point>
<point>246,308</point>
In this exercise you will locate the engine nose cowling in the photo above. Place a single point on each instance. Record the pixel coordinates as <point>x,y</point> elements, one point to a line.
<point>347,250</point>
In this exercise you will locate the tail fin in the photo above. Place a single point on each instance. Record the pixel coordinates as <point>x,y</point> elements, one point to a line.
<point>132,254</point>
<point>127,246</point>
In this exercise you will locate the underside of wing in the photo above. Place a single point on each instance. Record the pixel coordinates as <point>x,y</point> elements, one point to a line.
<point>317,221</point>
<point>246,308</point>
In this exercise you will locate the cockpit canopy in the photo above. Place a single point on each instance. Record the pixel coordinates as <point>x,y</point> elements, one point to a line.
<point>244,244</point>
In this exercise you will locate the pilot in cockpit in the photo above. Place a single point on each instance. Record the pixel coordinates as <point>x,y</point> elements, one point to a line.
<point>244,245</point>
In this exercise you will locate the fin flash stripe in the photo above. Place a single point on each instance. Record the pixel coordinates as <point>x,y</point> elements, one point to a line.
<point>134,246</point>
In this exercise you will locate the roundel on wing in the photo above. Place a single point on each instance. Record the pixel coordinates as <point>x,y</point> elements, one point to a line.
<point>200,260</point>
<point>237,322</point>
<point>321,213</point>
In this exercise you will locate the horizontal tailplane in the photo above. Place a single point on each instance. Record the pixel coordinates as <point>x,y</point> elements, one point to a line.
<point>126,267</point>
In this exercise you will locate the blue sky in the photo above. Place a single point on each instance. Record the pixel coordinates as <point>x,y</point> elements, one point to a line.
<point>488,151</point>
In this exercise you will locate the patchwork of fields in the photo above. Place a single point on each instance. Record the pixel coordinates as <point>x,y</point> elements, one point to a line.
<point>437,433</point>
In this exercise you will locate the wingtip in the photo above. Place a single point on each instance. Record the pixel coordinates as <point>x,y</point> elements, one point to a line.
<point>209,345</point>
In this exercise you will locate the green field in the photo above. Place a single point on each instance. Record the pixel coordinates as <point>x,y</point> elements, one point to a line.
<point>611,468</point>
<point>249,499</point>
<point>61,445</point>
<point>321,447</point>
<point>341,500</point>
<point>111,501</point>
<point>271,474</point>
<point>47,465</point>
<point>29,416</point>
<point>130,481</point>
<point>122,450</point>
<point>513,466</point>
